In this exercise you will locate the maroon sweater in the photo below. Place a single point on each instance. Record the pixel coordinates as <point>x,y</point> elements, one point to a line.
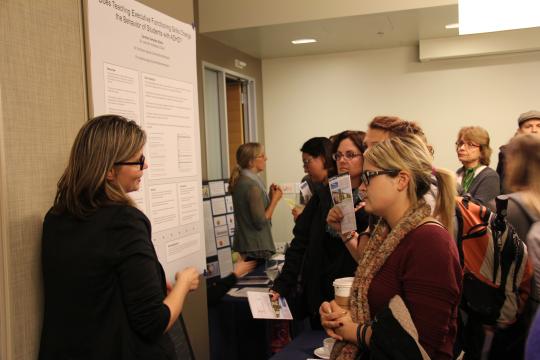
<point>424,270</point>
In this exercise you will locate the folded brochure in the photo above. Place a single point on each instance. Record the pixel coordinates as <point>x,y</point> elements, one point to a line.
<point>263,308</point>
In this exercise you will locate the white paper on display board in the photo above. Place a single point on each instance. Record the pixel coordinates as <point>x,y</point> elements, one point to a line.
<point>229,203</point>
<point>220,220</point>
<point>218,206</point>
<point>217,188</point>
<point>209,236</point>
<point>143,67</point>
<point>225,261</point>
<point>341,192</point>
<point>230,223</point>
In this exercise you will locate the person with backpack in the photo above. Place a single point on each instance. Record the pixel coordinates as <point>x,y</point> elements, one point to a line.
<point>528,123</point>
<point>406,291</point>
<point>523,178</point>
<point>475,176</point>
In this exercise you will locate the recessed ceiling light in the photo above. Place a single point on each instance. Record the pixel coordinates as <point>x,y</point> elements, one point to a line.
<point>303,41</point>
<point>452,26</point>
<point>487,16</point>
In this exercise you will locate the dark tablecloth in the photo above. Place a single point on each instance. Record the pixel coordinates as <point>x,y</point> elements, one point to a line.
<point>234,334</point>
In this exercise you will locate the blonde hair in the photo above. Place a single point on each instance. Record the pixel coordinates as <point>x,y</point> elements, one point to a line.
<point>396,126</point>
<point>522,168</point>
<point>245,154</point>
<point>480,136</point>
<point>409,153</point>
<point>100,143</point>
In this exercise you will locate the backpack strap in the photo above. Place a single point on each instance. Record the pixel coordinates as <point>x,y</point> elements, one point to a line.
<point>430,220</point>
<point>459,237</point>
<point>516,198</point>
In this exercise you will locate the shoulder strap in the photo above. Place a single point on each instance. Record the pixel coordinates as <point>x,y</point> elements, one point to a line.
<point>516,197</point>
<point>430,220</point>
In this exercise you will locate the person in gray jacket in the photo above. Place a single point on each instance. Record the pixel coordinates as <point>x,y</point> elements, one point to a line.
<point>528,123</point>
<point>253,206</point>
<point>475,176</point>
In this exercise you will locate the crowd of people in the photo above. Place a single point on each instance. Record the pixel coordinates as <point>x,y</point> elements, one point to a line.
<point>405,249</point>
<point>406,299</point>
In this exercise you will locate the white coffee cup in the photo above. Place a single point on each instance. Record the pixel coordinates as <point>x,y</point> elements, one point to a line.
<point>342,291</point>
<point>328,345</point>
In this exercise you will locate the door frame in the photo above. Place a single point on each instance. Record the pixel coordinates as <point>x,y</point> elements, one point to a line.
<point>250,110</point>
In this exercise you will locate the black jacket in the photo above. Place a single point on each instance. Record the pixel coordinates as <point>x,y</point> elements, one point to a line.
<point>104,288</point>
<point>316,255</point>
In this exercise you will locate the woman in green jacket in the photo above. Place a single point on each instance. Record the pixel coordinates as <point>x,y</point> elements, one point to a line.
<point>253,206</point>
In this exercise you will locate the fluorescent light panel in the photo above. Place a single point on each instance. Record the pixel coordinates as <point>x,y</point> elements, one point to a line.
<point>480,16</point>
<point>303,41</point>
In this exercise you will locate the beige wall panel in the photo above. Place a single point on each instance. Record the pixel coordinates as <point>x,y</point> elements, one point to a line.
<point>179,9</point>
<point>43,105</point>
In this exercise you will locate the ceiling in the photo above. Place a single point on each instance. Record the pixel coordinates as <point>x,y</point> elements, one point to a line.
<point>373,31</point>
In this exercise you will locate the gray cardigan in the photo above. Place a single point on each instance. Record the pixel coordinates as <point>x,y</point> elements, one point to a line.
<point>253,235</point>
<point>485,186</point>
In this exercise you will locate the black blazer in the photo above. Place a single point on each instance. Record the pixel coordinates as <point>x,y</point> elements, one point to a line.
<point>103,287</point>
<point>314,253</point>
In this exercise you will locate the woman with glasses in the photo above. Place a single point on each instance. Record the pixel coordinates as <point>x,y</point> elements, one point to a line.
<point>253,206</point>
<point>317,162</point>
<point>105,291</point>
<point>475,176</point>
<point>406,291</point>
<point>317,254</point>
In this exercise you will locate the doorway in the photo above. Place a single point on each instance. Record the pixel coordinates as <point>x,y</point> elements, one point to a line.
<point>230,117</point>
<point>235,117</point>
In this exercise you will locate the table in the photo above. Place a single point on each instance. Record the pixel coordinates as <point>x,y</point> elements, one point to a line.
<point>301,348</point>
<point>234,334</point>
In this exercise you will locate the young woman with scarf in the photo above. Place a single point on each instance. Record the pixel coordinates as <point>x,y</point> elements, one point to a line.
<point>407,286</point>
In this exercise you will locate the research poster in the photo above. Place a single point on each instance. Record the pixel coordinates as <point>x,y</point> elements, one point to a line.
<point>143,67</point>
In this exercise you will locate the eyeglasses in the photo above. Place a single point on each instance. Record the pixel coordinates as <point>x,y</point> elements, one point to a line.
<point>140,162</point>
<point>349,155</point>
<point>467,144</point>
<point>366,175</point>
<point>307,161</point>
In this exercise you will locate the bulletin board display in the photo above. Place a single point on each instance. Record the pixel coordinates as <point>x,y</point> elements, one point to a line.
<point>219,227</point>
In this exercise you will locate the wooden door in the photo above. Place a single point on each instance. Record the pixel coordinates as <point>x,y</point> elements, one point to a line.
<point>235,119</point>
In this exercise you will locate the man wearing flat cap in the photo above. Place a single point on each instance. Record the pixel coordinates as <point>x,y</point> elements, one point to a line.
<point>528,123</point>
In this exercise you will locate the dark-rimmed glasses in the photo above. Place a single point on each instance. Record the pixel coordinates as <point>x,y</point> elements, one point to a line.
<point>140,162</point>
<point>467,144</point>
<point>366,175</point>
<point>349,155</point>
<point>307,161</point>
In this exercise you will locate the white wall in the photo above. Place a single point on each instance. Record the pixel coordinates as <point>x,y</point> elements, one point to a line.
<point>322,95</point>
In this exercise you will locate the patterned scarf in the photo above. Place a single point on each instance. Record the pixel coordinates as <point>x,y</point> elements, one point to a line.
<point>380,246</point>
